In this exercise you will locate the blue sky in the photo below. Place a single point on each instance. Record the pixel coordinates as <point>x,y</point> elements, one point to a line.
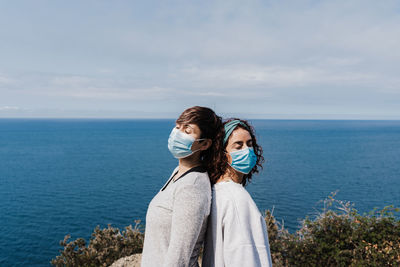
<point>153,59</point>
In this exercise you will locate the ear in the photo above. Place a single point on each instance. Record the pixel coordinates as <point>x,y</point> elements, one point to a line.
<point>206,144</point>
<point>228,158</point>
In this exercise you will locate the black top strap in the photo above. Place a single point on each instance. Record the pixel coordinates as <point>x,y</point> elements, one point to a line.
<point>194,169</point>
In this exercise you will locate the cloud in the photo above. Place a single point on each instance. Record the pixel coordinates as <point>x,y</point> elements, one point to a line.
<point>261,55</point>
<point>110,88</point>
<point>5,80</point>
<point>9,108</point>
<point>249,76</point>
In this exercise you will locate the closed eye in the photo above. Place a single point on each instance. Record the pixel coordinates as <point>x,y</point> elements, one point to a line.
<point>237,145</point>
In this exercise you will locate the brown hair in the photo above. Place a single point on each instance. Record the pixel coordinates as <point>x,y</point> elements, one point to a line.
<point>210,125</point>
<point>223,162</point>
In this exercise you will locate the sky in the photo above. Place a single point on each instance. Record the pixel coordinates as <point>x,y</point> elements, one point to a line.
<point>153,59</point>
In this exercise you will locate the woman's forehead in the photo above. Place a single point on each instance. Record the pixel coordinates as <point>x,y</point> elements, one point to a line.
<point>240,134</point>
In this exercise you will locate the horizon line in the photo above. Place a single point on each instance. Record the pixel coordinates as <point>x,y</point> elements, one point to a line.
<point>172,118</point>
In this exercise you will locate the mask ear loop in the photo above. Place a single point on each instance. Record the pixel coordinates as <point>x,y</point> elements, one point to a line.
<point>200,139</point>
<point>227,153</point>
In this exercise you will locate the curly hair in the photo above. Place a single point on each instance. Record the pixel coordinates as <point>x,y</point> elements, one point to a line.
<point>211,127</point>
<point>222,163</point>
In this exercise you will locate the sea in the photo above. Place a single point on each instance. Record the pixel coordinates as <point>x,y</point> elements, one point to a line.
<point>66,176</point>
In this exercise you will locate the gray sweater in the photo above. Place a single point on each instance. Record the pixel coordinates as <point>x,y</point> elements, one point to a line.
<point>176,221</point>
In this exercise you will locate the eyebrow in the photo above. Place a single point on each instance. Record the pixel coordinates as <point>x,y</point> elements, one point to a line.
<point>241,142</point>
<point>185,125</point>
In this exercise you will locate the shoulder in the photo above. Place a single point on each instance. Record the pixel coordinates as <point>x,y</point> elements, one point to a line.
<point>232,198</point>
<point>194,186</point>
<point>197,179</point>
<point>230,192</point>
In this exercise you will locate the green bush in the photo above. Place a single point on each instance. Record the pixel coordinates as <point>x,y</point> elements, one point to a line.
<point>106,246</point>
<point>337,236</point>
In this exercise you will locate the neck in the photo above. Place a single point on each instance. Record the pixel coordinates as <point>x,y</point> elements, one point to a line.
<point>187,163</point>
<point>233,175</point>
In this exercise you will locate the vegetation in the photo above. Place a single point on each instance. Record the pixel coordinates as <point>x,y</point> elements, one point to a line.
<point>105,246</point>
<point>337,236</point>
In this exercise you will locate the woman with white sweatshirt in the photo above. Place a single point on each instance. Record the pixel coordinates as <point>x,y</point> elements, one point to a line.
<point>236,233</point>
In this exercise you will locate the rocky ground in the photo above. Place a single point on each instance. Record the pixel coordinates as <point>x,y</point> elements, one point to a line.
<point>130,261</point>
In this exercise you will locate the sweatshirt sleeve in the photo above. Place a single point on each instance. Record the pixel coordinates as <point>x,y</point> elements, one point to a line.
<point>244,239</point>
<point>190,208</point>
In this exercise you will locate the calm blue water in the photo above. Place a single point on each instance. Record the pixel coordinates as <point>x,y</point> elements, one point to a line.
<point>67,176</point>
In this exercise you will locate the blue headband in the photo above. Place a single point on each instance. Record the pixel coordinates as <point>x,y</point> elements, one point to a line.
<point>230,126</point>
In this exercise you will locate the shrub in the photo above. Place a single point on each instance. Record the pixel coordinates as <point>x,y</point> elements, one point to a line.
<point>105,246</point>
<point>338,236</point>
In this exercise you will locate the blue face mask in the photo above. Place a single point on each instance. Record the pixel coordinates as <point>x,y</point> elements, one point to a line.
<point>243,160</point>
<point>180,144</point>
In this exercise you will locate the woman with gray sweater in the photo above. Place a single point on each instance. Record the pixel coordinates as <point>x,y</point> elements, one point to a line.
<point>176,218</point>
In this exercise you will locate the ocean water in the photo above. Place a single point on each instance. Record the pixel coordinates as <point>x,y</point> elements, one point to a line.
<point>67,176</point>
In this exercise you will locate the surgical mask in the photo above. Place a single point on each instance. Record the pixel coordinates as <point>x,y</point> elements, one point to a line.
<point>243,160</point>
<point>180,144</point>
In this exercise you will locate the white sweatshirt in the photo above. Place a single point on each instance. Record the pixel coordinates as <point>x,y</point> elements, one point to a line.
<point>237,232</point>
